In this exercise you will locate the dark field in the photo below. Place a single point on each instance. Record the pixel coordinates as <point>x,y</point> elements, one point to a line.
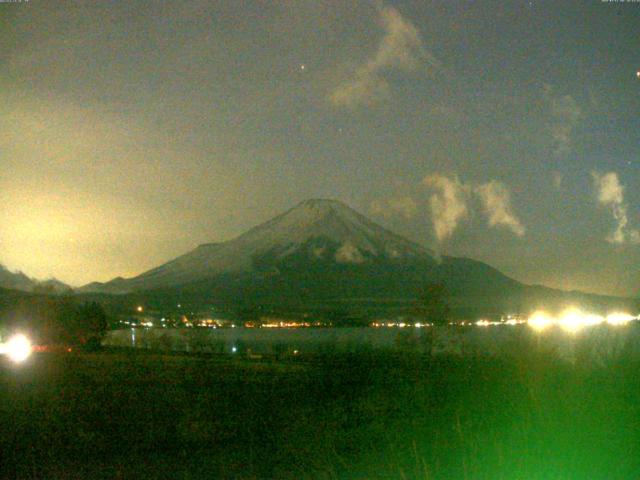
<point>141,415</point>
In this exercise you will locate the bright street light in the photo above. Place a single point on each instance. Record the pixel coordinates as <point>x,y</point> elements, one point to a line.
<point>18,348</point>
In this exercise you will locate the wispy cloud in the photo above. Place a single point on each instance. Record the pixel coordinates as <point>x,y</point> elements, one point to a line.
<point>447,204</point>
<point>557,178</point>
<point>496,203</point>
<point>565,114</point>
<point>611,195</point>
<point>401,48</point>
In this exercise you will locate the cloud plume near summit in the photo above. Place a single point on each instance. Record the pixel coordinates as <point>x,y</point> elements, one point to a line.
<point>451,201</point>
<point>610,194</point>
<point>447,203</point>
<point>496,202</point>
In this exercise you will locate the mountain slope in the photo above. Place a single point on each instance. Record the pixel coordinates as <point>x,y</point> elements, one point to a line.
<point>14,280</point>
<point>319,229</point>
<point>20,281</point>
<point>322,255</point>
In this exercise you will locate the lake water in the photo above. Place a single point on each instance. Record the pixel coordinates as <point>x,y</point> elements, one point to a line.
<point>600,343</point>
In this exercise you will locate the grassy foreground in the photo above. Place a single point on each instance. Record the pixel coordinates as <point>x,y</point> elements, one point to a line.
<point>142,415</point>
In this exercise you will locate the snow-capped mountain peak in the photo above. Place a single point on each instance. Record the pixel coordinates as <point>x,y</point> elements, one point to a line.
<point>329,219</point>
<point>322,230</point>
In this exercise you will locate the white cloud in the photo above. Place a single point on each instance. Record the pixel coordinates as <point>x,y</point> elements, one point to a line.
<point>611,195</point>
<point>362,90</point>
<point>447,204</point>
<point>610,192</point>
<point>496,202</point>
<point>565,113</point>
<point>404,206</point>
<point>401,48</point>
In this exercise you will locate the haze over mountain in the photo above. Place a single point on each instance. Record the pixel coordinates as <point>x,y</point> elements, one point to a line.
<point>20,281</point>
<point>320,253</point>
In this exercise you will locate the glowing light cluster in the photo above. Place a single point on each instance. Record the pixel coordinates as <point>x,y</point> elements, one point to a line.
<point>620,318</point>
<point>488,323</point>
<point>18,348</point>
<point>287,324</point>
<point>574,320</point>
<point>400,325</point>
<point>540,321</point>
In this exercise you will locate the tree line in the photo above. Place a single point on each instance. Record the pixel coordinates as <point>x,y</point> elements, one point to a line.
<point>54,319</point>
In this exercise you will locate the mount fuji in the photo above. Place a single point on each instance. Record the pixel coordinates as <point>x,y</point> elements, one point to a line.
<point>321,230</point>
<point>320,254</point>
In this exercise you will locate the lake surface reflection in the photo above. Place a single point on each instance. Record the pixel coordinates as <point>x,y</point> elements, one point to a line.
<point>603,343</point>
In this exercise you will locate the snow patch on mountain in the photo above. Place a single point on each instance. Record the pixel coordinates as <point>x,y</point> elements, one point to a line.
<point>347,253</point>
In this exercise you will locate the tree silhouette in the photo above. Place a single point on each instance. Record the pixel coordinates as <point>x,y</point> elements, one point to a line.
<point>433,304</point>
<point>91,323</point>
<point>50,319</point>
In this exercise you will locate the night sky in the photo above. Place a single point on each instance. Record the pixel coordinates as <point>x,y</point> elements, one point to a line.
<point>509,131</point>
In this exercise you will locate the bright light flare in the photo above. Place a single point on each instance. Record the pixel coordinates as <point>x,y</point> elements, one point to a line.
<point>591,319</point>
<point>574,320</point>
<point>540,321</point>
<point>571,321</point>
<point>18,348</point>
<point>619,318</point>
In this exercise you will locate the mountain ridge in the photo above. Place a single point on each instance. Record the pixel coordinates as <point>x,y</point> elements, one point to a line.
<point>320,255</point>
<point>311,219</point>
<point>17,280</point>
